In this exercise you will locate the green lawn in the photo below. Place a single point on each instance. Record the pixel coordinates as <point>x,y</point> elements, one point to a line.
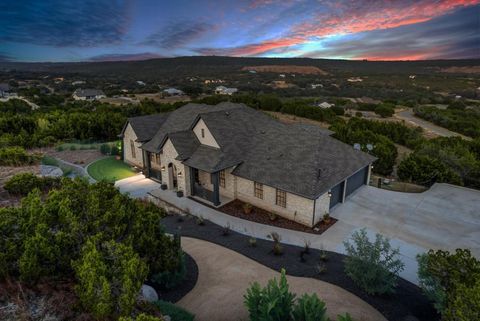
<point>109,169</point>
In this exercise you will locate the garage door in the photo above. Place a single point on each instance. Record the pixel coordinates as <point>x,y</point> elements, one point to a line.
<point>356,180</point>
<point>336,194</point>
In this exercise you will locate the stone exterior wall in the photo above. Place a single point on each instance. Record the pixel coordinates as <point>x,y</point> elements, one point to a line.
<point>298,208</point>
<point>228,190</point>
<point>208,140</point>
<point>183,176</point>
<point>322,206</point>
<point>128,136</point>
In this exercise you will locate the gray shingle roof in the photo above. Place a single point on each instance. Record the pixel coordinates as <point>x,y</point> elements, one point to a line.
<point>185,142</point>
<point>146,126</point>
<point>300,159</point>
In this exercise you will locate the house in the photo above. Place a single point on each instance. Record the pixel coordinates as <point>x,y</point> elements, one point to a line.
<point>216,154</point>
<point>354,79</point>
<point>315,86</point>
<point>4,90</point>
<point>173,92</point>
<point>325,105</point>
<point>140,83</point>
<point>88,94</point>
<point>78,82</point>
<point>222,90</point>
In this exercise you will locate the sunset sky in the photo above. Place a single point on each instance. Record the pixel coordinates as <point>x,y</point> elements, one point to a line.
<point>98,30</point>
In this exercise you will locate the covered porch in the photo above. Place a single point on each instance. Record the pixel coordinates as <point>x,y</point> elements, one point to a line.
<point>205,187</point>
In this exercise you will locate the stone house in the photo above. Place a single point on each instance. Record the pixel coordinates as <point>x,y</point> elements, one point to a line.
<point>219,153</point>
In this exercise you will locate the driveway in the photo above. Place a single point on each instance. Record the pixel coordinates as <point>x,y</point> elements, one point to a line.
<point>137,186</point>
<point>408,116</point>
<point>224,276</point>
<point>444,217</point>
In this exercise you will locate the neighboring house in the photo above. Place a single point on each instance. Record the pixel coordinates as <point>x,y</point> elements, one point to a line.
<point>230,151</point>
<point>354,79</point>
<point>78,82</point>
<point>315,86</point>
<point>173,92</point>
<point>88,94</point>
<point>4,90</point>
<point>325,105</point>
<point>140,83</point>
<point>222,90</point>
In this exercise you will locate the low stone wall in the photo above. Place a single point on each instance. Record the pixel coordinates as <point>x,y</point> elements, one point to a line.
<point>169,208</point>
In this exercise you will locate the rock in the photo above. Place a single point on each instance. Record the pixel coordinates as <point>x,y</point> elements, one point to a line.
<point>147,293</point>
<point>51,171</point>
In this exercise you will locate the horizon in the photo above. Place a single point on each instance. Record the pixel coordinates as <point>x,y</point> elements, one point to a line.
<point>95,31</point>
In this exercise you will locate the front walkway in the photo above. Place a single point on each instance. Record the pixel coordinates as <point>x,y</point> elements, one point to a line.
<point>137,186</point>
<point>224,276</point>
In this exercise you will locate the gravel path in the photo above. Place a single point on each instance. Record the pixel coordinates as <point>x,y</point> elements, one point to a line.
<point>224,276</point>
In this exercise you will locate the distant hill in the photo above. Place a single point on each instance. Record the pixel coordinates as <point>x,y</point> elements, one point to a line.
<point>216,66</point>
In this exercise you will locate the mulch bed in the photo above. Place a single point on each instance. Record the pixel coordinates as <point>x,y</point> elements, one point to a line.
<point>407,302</point>
<point>174,295</point>
<point>258,215</point>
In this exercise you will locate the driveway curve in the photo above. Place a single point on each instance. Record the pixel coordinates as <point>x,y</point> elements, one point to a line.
<point>225,275</point>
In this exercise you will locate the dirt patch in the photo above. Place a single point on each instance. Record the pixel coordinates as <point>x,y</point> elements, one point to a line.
<point>308,70</point>
<point>258,215</point>
<point>462,70</point>
<point>292,119</point>
<point>6,172</point>
<point>79,157</point>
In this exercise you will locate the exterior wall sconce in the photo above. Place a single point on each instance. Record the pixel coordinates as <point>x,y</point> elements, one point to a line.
<point>162,169</point>
<point>371,167</point>
<point>179,174</point>
<point>329,193</point>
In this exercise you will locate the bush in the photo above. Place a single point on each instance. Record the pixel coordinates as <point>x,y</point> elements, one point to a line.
<point>373,266</point>
<point>384,110</point>
<point>272,303</point>
<point>141,317</point>
<point>17,156</point>
<point>452,282</point>
<point>169,280</point>
<point>310,308</point>
<point>24,183</point>
<point>176,313</point>
<point>425,170</point>
<point>345,317</point>
<point>105,149</point>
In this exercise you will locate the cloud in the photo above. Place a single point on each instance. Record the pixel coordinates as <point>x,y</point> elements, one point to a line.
<point>177,34</point>
<point>126,57</point>
<point>63,23</point>
<point>347,17</point>
<point>5,58</point>
<point>450,36</point>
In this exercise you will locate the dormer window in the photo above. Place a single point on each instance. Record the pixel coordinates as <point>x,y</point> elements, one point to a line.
<point>203,132</point>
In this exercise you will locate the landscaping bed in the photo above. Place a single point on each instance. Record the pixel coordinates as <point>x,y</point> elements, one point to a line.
<point>258,215</point>
<point>407,302</point>
<point>174,295</point>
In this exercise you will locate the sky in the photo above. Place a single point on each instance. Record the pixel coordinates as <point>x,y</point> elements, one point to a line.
<point>101,30</point>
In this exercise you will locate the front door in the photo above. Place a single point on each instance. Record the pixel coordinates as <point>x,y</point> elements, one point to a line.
<point>172,174</point>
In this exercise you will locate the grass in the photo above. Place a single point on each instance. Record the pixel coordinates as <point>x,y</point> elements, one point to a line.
<point>109,169</point>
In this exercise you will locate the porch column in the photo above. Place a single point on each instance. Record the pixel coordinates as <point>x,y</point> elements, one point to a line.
<point>216,188</point>
<point>122,146</point>
<point>192,180</point>
<point>146,163</point>
<point>344,192</point>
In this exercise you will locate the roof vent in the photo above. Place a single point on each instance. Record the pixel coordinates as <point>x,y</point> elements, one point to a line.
<point>227,113</point>
<point>263,132</point>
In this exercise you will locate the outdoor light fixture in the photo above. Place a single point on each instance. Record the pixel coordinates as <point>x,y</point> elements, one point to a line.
<point>163,168</point>
<point>371,167</point>
<point>329,193</point>
<point>180,174</point>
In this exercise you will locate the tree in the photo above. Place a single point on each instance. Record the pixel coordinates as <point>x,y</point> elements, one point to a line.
<point>373,266</point>
<point>451,280</point>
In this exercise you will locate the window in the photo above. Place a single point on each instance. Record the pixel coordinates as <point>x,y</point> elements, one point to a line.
<point>281,198</point>
<point>132,148</point>
<point>155,158</point>
<point>203,132</point>
<point>258,190</point>
<point>222,178</point>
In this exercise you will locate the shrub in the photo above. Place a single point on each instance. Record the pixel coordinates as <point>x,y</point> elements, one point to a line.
<point>169,280</point>
<point>271,303</point>
<point>24,183</point>
<point>105,149</point>
<point>345,317</point>
<point>141,317</point>
<point>310,308</point>
<point>17,156</point>
<point>373,266</point>
<point>451,280</point>
<point>277,247</point>
<point>384,110</point>
<point>176,313</point>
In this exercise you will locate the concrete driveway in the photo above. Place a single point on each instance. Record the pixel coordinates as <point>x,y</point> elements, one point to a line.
<point>444,217</point>
<point>137,186</point>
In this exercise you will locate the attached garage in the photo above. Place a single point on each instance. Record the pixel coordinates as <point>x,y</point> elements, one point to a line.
<point>337,194</point>
<point>356,180</point>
